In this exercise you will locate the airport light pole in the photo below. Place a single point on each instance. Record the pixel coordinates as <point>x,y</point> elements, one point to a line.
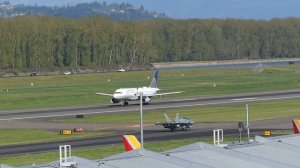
<point>248,129</point>
<point>141,124</point>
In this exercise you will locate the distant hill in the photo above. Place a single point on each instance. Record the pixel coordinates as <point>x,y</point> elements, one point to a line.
<point>184,9</point>
<point>123,11</point>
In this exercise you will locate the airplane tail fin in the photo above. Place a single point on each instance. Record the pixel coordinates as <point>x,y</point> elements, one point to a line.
<point>167,119</point>
<point>296,126</point>
<point>154,80</point>
<point>177,117</point>
<point>130,142</point>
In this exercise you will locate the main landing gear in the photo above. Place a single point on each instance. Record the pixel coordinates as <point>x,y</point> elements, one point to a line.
<point>125,103</point>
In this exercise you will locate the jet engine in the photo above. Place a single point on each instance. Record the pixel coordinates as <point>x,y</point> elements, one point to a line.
<point>146,100</point>
<point>113,100</point>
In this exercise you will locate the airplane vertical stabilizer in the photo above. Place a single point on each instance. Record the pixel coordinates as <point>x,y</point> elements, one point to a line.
<point>130,142</point>
<point>177,117</point>
<point>154,80</point>
<point>296,126</point>
<point>167,119</point>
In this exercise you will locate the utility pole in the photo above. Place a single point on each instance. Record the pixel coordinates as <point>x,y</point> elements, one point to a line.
<point>141,124</point>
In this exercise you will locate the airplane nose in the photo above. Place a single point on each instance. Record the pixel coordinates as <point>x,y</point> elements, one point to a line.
<point>117,96</point>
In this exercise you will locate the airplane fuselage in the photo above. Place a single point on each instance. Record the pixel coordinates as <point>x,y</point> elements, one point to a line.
<point>182,126</point>
<point>130,94</point>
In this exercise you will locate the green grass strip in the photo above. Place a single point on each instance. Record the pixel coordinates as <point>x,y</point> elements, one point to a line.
<point>62,90</point>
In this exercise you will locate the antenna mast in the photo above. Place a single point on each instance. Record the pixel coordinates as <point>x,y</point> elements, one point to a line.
<point>141,124</point>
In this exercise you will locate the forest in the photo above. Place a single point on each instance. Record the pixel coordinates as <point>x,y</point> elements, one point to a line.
<point>43,43</point>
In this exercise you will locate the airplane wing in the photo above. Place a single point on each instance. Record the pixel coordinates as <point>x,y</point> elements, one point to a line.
<point>158,123</point>
<point>169,93</point>
<point>105,94</point>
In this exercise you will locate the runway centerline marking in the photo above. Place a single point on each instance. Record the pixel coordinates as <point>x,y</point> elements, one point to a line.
<point>250,98</point>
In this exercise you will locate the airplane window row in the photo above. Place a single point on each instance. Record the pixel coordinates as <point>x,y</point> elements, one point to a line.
<point>118,92</point>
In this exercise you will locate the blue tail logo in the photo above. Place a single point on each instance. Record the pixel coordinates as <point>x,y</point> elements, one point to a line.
<point>154,80</point>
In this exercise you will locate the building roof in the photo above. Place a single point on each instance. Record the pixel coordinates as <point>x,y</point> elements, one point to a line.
<point>81,163</point>
<point>281,152</point>
<point>210,155</point>
<point>147,158</point>
<point>261,153</point>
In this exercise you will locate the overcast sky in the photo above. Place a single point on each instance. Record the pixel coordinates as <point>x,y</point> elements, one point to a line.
<point>182,9</point>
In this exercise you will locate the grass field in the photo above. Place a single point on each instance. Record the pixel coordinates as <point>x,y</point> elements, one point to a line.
<point>19,136</point>
<point>69,90</point>
<point>56,91</point>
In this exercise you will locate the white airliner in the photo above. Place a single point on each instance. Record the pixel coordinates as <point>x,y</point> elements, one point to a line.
<point>123,95</point>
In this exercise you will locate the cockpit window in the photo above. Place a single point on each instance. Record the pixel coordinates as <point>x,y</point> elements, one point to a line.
<point>118,92</point>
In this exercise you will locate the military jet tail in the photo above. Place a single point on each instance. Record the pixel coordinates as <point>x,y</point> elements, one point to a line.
<point>177,118</point>
<point>167,118</point>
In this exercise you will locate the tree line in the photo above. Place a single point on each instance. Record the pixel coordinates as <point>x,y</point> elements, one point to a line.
<point>50,43</point>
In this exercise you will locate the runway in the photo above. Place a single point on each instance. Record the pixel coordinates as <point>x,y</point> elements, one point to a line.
<point>150,135</point>
<point>154,105</point>
<point>19,119</point>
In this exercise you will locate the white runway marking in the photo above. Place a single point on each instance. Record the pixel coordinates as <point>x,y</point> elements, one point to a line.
<point>250,98</point>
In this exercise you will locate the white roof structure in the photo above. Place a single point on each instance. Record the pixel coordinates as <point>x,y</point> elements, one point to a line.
<point>213,156</point>
<point>81,163</point>
<point>281,152</point>
<point>147,159</point>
